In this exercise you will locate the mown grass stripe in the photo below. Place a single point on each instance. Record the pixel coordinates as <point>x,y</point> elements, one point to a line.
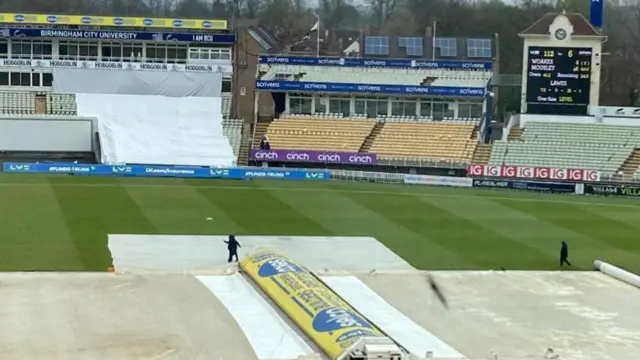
<point>493,236</point>
<point>33,234</point>
<point>590,237</point>
<point>408,228</point>
<point>92,214</point>
<point>182,211</point>
<point>258,212</point>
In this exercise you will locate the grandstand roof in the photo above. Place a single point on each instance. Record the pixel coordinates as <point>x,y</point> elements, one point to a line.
<point>581,26</point>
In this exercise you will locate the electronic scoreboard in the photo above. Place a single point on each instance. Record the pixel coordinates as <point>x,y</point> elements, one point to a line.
<point>558,80</point>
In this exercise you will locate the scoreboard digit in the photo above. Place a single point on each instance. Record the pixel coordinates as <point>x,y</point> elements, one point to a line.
<point>558,80</point>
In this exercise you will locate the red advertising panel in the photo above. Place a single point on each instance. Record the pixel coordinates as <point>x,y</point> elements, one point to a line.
<point>532,172</point>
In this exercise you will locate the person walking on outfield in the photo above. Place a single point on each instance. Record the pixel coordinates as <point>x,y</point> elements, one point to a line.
<point>232,246</point>
<point>564,254</point>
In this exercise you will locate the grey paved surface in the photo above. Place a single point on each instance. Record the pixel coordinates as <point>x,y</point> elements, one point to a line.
<point>518,315</point>
<point>105,316</point>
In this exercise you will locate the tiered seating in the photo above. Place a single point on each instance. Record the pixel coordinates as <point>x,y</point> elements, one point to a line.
<point>306,133</point>
<point>232,129</point>
<point>436,77</point>
<point>61,104</point>
<point>17,102</point>
<point>426,140</point>
<point>226,106</point>
<point>581,146</point>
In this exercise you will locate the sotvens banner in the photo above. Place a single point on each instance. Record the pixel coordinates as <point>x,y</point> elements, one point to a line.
<point>364,62</point>
<point>532,172</point>
<point>274,85</point>
<point>334,157</point>
<point>327,319</point>
<point>165,171</point>
<point>525,185</point>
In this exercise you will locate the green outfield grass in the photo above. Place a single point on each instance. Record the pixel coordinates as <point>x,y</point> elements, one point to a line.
<point>62,222</point>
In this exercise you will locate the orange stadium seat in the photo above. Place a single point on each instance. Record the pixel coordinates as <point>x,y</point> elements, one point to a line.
<point>319,134</point>
<point>440,141</point>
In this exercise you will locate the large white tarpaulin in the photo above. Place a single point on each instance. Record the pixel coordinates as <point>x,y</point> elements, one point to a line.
<point>160,130</point>
<point>126,82</point>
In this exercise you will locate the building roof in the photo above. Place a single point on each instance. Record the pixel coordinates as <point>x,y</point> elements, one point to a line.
<point>581,26</point>
<point>266,40</point>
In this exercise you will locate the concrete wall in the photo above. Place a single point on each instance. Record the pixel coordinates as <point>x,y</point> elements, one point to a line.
<point>46,134</point>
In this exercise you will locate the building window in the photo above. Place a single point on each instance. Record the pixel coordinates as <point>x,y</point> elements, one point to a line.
<point>31,49</point>
<point>4,49</point>
<point>300,104</point>
<point>469,110</point>
<point>321,105</point>
<point>226,85</point>
<point>442,110</point>
<point>403,107</point>
<point>209,54</point>
<point>166,53</point>
<point>25,79</point>
<point>47,79</point>
<point>426,109</point>
<point>479,48</point>
<point>78,50</point>
<point>340,106</point>
<point>447,46</point>
<point>372,106</point>
<point>122,52</point>
<point>412,45</point>
<point>376,45</point>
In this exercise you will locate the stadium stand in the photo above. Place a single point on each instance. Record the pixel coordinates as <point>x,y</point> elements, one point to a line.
<point>61,104</point>
<point>426,140</point>
<point>226,106</point>
<point>582,146</point>
<point>232,129</point>
<point>17,102</point>
<point>24,103</point>
<point>437,77</point>
<point>306,133</point>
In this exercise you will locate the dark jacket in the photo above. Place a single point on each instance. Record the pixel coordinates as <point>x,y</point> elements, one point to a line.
<point>232,244</point>
<point>564,251</point>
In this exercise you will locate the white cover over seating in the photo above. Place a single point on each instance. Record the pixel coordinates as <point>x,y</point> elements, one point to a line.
<point>149,129</point>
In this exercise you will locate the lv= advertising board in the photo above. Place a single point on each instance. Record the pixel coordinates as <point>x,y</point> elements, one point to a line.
<point>327,319</point>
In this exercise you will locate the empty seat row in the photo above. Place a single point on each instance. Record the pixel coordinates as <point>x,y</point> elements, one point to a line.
<point>62,104</point>
<point>319,134</point>
<point>232,129</point>
<point>562,145</point>
<point>17,102</point>
<point>435,141</point>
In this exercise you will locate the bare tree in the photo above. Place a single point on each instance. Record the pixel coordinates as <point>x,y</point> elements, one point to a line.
<point>338,14</point>
<point>382,10</point>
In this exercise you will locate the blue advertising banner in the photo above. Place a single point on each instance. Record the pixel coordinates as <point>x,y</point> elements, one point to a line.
<point>165,171</point>
<point>596,13</point>
<point>525,185</point>
<point>118,35</point>
<point>369,88</point>
<point>390,63</point>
